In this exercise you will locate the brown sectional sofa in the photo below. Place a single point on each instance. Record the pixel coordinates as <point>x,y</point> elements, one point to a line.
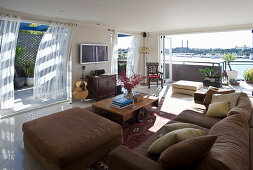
<point>233,148</point>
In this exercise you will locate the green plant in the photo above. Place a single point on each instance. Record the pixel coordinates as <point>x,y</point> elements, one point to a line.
<point>228,57</point>
<point>248,74</point>
<point>210,72</point>
<point>19,52</point>
<point>28,68</point>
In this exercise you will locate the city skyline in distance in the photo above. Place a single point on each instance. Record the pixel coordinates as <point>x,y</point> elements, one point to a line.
<point>224,40</point>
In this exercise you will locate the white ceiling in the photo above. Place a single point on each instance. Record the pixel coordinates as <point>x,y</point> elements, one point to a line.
<point>142,15</point>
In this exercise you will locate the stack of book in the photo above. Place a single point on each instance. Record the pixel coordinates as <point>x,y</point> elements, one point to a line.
<point>121,103</point>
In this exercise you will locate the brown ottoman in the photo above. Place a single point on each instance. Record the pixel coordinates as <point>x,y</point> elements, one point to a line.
<point>72,139</point>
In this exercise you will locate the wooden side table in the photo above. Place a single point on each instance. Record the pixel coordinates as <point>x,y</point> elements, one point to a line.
<point>101,86</point>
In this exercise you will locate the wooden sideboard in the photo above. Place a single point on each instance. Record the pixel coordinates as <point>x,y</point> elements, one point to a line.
<point>101,86</point>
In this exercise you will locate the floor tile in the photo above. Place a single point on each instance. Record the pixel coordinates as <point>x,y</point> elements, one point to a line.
<point>23,160</point>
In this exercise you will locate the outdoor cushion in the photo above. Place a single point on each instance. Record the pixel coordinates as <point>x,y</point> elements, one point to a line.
<point>189,85</point>
<point>65,137</point>
<point>213,90</point>
<point>183,91</point>
<point>231,98</point>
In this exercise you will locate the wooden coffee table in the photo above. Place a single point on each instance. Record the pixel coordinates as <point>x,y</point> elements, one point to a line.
<point>138,109</point>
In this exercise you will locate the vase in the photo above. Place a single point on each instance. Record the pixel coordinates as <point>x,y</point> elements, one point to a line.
<point>232,74</point>
<point>129,94</point>
<point>29,81</point>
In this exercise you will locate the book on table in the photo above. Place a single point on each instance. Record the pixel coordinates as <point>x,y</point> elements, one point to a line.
<point>121,103</point>
<point>121,107</point>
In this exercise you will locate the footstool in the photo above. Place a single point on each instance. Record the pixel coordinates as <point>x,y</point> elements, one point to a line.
<point>71,139</point>
<point>186,87</point>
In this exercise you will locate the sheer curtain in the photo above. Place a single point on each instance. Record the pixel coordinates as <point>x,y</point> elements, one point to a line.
<point>133,56</point>
<point>50,74</point>
<point>9,28</point>
<point>114,61</point>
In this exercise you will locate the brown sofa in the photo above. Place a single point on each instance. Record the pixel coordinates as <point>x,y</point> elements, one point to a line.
<point>233,148</point>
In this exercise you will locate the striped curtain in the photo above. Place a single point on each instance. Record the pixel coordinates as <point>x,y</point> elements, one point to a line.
<point>9,27</point>
<point>50,74</point>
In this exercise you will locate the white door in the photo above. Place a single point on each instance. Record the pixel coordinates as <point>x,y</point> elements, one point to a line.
<point>166,58</point>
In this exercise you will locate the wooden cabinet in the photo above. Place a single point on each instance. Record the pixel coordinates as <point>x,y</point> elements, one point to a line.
<point>101,86</point>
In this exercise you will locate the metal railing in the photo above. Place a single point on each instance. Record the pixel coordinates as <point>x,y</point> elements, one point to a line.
<point>238,65</point>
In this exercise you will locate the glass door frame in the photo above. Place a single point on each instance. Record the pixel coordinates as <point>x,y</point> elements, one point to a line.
<point>164,41</point>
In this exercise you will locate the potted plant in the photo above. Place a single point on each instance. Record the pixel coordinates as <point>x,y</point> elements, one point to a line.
<point>19,78</point>
<point>28,68</point>
<point>130,82</point>
<point>248,75</point>
<point>229,57</point>
<point>211,76</point>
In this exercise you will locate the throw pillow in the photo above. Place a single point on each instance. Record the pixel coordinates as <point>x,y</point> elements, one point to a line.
<point>219,109</point>
<point>186,152</point>
<point>231,98</point>
<point>174,126</point>
<point>173,137</point>
<point>213,90</point>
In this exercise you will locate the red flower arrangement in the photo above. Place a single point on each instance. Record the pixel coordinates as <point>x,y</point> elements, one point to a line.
<point>129,83</point>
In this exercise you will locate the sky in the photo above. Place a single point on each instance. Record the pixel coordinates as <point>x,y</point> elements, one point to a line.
<point>124,42</point>
<point>223,40</point>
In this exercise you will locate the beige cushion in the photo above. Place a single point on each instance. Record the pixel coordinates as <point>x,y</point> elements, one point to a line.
<point>231,98</point>
<point>183,91</point>
<point>189,85</point>
<point>219,109</point>
<point>187,152</point>
<point>178,125</point>
<point>213,90</point>
<point>173,137</point>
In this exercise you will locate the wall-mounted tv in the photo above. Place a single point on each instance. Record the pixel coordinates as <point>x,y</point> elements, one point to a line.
<point>93,53</point>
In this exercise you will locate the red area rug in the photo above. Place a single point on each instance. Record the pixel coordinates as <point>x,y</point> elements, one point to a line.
<point>136,133</point>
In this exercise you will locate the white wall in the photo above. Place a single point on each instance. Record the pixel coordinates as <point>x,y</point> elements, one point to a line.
<point>153,44</point>
<point>88,34</point>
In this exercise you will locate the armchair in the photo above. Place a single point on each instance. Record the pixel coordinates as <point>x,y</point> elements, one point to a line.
<point>154,75</point>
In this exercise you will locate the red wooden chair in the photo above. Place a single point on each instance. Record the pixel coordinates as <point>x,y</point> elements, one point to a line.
<point>154,75</point>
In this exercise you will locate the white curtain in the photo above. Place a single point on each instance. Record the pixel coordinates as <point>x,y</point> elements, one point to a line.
<point>50,74</point>
<point>114,61</point>
<point>133,56</point>
<point>9,28</point>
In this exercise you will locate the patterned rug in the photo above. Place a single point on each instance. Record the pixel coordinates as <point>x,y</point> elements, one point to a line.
<point>136,133</point>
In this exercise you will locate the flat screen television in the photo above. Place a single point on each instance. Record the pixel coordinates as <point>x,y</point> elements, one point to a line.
<point>93,53</point>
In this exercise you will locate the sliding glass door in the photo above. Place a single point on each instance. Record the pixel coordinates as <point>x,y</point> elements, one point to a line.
<point>166,57</point>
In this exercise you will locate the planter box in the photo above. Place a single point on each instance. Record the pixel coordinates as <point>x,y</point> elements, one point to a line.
<point>19,82</point>
<point>216,83</point>
<point>249,82</point>
<point>232,74</point>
